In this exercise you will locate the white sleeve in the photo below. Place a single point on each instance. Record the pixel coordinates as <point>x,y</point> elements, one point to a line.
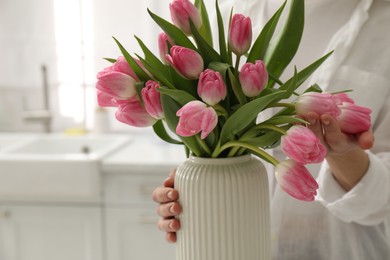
<point>368,203</point>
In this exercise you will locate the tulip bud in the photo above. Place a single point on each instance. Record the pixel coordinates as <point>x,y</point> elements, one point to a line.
<point>253,78</point>
<point>181,13</point>
<point>320,103</point>
<point>240,34</point>
<point>163,40</point>
<point>185,61</point>
<point>196,117</point>
<point>211,87</point>
<point>132,112</point>
<point>296,180</point>
<point>354,119</point>
<point>302,145</point>
<point>151,98</point>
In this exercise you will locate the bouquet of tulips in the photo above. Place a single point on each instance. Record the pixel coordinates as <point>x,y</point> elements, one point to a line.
<point>209,100</point>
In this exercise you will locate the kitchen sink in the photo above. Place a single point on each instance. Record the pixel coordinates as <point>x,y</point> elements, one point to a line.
<point>55,166</point>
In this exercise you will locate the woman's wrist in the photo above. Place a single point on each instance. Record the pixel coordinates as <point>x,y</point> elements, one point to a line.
<point>349,168</point>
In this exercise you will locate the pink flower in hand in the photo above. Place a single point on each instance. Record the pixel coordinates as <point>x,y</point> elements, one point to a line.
<point>354,119</point>
<point>181,13</point>
<point>296,180</point>
<point>240,34</point>
<point>151,98</point>
<point>163,40</point>
<point>132,112</point>
<point>211,87</point>
<point>320,103</point>
<point>343,97</point>
<point>185,61</point>
<point>253,78</point>
<point>302,145</point>
<point>196,117</point>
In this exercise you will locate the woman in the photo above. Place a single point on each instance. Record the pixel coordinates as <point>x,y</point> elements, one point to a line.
<point>350,218</point>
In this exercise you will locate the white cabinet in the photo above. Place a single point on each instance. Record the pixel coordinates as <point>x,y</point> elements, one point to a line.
<point>131,218</point>
<point>50,232</point>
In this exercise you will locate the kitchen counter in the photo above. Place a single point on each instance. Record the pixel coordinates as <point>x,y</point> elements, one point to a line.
<point>144,153</point>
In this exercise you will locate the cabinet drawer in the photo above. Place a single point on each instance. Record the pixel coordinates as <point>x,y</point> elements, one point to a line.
<point>131,188</point>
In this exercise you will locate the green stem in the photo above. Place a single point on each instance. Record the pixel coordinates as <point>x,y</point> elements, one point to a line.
<point>203,144</point>
<point>282,104</point>
<point>233,151</point>
<point>280,83</point>
<point>237,65</point>
<point>272,127</point>
<point>253,148</point>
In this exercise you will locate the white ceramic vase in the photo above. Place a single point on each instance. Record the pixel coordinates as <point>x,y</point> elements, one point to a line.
<point>225,209</point>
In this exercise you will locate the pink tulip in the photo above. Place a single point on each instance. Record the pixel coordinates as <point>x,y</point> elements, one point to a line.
<point>320,103</point>
<point>302,145</point>
<point>253,78</point>
<point>105,100</point>
<point>121,65</point>
<point>296,180</point>
<point>240,34</point>
<point>181,13</point>
<point>354,119</point>
<point>132,112</point>
<point>343,97</point>
<point>185,61</point>
<point>196,117</point>
<point>211,87</point>
<point>151,98</point>
<point>163,40</point>
<point>116,84</point>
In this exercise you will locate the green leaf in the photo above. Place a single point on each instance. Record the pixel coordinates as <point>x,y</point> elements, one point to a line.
<point>236,87</point>
<point>221,36</point>
<point>161,132</point>
<point>206,51</point>
<point>133,64</point>
<point>205,29</point>
<point>265,140</point>
<point>281,120</point>
<point>245,115</point>
<point>156,73</point>
<point>180,96</point>
<point>182,83</point>
<point>304,74</point>
<point>152,59</point>
<point>261,44</point>
<point>177,35</point>
<point>110,60</point>
<point>138,87</point>
<point>282,50</point>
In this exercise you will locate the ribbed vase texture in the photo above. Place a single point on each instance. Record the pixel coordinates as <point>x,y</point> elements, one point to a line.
<point>225,209</point>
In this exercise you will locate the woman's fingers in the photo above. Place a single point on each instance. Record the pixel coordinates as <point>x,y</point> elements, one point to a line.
<point>366,140</point>
<point>164,195</point>
<point>168,224</point>
<point>170,209</point>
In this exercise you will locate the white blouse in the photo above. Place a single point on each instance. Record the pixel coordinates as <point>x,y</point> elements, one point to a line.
<point>339,225</point>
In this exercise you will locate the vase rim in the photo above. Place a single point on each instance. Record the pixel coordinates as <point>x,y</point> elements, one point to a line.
<point>223,160</point>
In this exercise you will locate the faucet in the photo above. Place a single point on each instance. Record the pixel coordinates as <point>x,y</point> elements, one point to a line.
<point>44,115</point>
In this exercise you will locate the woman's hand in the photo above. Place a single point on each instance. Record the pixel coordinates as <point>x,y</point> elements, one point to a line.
<point>345,153</point>
<point>168,207</point>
